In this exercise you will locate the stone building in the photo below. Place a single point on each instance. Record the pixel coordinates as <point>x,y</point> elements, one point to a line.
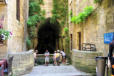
<point>13,17</point>
<point>92,31</point>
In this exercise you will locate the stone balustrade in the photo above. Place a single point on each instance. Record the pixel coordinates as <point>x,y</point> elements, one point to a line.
<point>85,60</point>
<point>23,62</point>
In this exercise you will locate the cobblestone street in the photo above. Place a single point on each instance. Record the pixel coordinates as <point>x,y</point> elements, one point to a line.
<point>56,71</point>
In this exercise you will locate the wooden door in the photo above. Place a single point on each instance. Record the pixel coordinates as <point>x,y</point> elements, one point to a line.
<point>79,40</point>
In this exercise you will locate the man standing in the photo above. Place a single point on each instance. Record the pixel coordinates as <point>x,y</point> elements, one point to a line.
<point>111,55</point>
<point>46,58</point>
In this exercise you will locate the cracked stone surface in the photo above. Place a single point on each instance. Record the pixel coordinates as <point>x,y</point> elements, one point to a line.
<point>64,70</point>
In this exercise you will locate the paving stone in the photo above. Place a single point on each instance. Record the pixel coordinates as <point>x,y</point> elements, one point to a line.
<point>63,70</point>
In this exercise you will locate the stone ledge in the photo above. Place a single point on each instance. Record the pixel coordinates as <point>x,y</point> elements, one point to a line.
<point>85,60</point>
<point>22,63</point>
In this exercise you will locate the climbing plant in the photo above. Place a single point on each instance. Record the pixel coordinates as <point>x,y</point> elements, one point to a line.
<point>66,29</point>
<point>97,1</point>
<point>36,15</point>
<point>83,15</point>
<point>60,11</point>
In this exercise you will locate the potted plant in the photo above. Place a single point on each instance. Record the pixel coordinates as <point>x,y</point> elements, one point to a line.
<point>4,35</point>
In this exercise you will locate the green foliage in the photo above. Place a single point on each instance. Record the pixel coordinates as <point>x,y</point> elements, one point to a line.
<point>66,29</point>
<point>32,21</point>
<point>34,8</point>
<point>41,2</point>
<point>60,11</point>
<point>83,15</point>
<point>5,34</point>
<point>32,32</point>
<point>41,61</point>
<point>35,13</point>
<point>70,13</point>
<point>97,1</point>
<point>28,41</point>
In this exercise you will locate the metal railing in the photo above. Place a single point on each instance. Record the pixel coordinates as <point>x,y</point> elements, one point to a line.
<point>88,47</point>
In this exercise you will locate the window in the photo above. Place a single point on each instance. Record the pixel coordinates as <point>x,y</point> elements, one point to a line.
<point>18,10</point>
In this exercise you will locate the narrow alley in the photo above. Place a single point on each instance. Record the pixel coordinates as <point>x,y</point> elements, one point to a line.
<point>75,35</point>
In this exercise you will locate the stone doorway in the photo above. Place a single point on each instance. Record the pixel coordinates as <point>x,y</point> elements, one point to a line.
<point>48,35</point>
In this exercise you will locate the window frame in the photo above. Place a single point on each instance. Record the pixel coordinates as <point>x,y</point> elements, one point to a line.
<point>18,10</point>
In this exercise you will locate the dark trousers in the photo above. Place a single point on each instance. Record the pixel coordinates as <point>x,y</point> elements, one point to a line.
<point>112,65</point>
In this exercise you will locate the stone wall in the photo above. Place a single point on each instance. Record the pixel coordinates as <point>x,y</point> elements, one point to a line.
<point>3,22</point>
<point>23,62</point>
<point>17,27</point>
<point>93,28</point>
<point>85,60</point>
<point>48,6</point>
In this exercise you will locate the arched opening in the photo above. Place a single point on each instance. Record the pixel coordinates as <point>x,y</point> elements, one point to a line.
<point>48,36</point>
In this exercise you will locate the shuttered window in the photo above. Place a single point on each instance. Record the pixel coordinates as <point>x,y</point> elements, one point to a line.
<point>18,10</point>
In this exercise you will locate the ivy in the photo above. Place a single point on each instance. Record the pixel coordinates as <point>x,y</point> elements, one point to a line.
<point>66,29</point>
<point>36,15</point>
<point>97,1</point>
<point>60,11</point>
<point>32,20</point>
<point>83,15</point>
<point>28,41</point>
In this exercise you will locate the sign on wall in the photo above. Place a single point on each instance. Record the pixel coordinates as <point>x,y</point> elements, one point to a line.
<point>108,37</point>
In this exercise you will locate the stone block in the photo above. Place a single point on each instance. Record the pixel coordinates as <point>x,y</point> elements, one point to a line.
<point>22,62</point>
<point>85,60</point>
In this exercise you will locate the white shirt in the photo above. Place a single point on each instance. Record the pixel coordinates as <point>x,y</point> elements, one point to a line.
<point>63,53</point>
<point>46,54</point>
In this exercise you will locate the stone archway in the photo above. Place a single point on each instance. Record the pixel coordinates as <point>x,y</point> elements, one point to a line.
<point>48,36</point>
